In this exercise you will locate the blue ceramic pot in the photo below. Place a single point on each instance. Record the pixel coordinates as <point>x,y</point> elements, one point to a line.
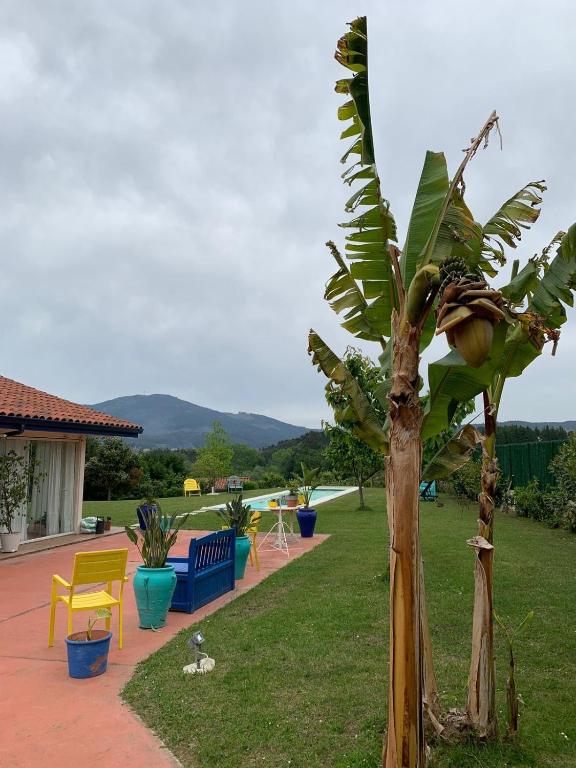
<point>243,545</point>
<point>88,658</point>
<point>154,588</point>
<point>306,521</point>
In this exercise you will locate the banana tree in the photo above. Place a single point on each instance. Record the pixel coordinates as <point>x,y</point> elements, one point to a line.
<point>535,298</point>
<point>388,296</point>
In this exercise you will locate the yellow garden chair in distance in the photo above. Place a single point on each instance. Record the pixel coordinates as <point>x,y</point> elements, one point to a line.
<point>252,531</point>
<point>103,567</point>
<point>191,487</point>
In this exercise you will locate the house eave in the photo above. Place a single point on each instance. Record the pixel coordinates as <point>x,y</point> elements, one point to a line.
<point>21,424</point>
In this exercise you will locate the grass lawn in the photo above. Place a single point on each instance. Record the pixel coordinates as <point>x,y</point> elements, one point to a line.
<point>124,512</point>
<point>301,660</point>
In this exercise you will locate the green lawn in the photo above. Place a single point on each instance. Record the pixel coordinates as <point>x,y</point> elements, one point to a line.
<point>124,512</point>
<point>301,660</point>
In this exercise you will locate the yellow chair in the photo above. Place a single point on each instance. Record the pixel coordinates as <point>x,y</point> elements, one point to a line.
<point>106,566</point>
<point>252,531</point>
<point>191,487</point>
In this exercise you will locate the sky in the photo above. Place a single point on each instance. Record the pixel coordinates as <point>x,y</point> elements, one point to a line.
<point>170,173</point>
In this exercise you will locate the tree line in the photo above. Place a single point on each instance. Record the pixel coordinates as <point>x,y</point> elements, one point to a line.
<point>118,470</point>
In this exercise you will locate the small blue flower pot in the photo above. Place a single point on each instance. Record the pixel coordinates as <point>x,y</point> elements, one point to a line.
<point>88,658</point>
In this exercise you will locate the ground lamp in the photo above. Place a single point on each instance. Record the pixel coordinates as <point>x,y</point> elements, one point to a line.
<point>203,662</point>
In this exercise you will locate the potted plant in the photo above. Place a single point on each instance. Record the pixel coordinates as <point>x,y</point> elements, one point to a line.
<point>292,497</point>
<point>154,581</point>
<point>238,515</point>
<point>15,483</point>
<point>307,482</point>
<point>88,650</point>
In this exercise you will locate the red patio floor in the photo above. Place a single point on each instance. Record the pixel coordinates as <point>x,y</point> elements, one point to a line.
<point>48,718</point>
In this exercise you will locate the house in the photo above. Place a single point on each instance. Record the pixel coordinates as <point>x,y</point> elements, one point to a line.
<point>51,433</point>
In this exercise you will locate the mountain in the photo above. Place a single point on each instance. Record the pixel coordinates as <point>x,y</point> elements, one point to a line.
<point>173,423</point>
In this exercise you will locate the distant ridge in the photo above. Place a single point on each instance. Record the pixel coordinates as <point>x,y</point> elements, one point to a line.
<point>170,422</point>
<point>569,426</point>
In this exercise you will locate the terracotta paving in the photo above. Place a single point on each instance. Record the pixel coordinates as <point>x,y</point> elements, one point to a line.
<point>48,718</point>
<point>40,544</point>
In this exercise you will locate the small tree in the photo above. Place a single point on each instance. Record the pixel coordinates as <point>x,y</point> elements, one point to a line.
<point>214,459</point>
<point>350,457</point>
<point>14,483</point>
<point>348,454</point>
<point>110,466</point>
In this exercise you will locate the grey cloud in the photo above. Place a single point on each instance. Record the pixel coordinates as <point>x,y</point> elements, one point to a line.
<point>170,176</point>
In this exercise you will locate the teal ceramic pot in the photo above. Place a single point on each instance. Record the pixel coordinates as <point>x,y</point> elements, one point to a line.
<point>243,544</point>
<point>154,588</point>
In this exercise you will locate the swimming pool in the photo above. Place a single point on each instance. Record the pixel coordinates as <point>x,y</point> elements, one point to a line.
<point>318,496</point>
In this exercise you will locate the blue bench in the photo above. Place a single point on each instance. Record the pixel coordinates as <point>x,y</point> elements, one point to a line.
<point>206,573</point>
<point>428,491</point>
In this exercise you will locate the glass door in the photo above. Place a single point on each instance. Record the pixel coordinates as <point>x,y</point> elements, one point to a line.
<point>52,496</point>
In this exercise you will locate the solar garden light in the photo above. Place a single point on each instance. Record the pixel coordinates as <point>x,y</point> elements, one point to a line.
<point>196,642</point>
<point>203,662</point>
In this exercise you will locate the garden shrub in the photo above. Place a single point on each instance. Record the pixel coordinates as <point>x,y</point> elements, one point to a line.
<point>550,507</point>
<point>466,481</point>
<point>528,500</point>
<point>556,506</point>
<point>563,467</point>
<point>569,517</point>
<point>271,480</point>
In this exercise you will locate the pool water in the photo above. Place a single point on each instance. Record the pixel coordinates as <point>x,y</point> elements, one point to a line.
<point>318,496</point>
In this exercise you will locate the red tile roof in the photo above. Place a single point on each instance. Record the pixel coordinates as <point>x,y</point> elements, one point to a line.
<point>20,401</point>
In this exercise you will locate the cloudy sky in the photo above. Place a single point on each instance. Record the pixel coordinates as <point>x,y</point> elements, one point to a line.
<point>170,174</point>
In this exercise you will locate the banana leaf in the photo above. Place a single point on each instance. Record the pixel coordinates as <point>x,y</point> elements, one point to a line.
<point>523,283</point>
<point>373,223</point>
<point>557,283</point>
<point>516,344</point>
<point>344,295</point>
<point>516,214</point>
<point>432,189</point>
<point>451,381</point>
<point>452,455</point>
<point>553,289</point>
<point>359,415</point>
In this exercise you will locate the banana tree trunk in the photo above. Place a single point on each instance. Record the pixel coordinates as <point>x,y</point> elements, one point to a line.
<point>430,700</point>
<point>404,746</point>
<point>481,704</point>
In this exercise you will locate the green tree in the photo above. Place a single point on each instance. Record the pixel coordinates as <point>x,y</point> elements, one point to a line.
<point>346,453</point>
<point>348,457</point>
<point>282,461</point>
<point>214,459</point>
<point>245,459</point>
<point>111,466</point>
<point>163,472</point>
